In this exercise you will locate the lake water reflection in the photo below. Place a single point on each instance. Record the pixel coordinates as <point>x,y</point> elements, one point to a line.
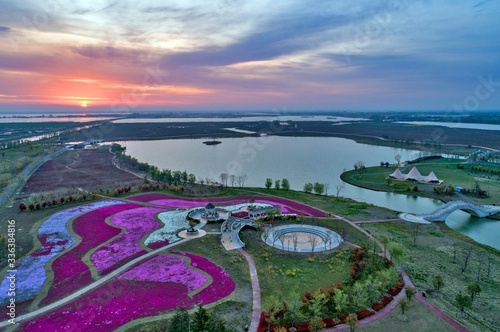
<point>300,160</point>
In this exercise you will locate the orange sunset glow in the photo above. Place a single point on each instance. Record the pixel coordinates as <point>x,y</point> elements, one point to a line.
<point>246,55</point>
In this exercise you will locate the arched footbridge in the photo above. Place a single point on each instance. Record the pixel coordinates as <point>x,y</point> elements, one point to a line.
<point>476,210</point>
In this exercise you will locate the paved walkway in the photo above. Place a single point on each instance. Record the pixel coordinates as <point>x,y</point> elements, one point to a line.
<point>255,291</point>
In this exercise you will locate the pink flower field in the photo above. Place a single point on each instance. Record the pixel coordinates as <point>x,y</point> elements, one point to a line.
<point>70,273</point>
<point>137,222</point>
<point>121,300</point>
<point>166,269</point>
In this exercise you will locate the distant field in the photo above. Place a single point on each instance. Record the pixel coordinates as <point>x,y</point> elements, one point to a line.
<point>86,169</point>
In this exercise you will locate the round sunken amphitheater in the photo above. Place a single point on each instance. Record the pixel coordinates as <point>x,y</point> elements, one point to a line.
<point>283,238</point>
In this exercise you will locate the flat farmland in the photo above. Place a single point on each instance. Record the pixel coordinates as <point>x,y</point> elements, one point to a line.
<point>87,169</point>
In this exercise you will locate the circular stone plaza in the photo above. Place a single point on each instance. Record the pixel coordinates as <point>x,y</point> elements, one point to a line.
<point>301,238</point>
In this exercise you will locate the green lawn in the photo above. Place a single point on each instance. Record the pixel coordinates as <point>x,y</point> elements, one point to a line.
<point>416,318</point>
<point>442,252</point>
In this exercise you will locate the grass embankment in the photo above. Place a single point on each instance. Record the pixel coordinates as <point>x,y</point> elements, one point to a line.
<point>375,178</point>
<point>441,251</point>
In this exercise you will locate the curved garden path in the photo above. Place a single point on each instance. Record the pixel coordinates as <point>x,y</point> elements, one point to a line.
<point>255,291</point>
<point>383,312</point>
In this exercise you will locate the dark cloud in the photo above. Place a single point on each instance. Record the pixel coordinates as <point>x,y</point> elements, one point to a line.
<point>287,35</point>
<point>4,29</point>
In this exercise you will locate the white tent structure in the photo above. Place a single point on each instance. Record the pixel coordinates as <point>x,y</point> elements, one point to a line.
<point>414,176</point>
<point>397,175</point>
<point>432,178</point>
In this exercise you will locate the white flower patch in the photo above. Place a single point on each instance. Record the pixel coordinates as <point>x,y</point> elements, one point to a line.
<point>172,222</point>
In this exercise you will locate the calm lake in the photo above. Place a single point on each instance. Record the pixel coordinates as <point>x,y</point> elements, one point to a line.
<point>300,160</point>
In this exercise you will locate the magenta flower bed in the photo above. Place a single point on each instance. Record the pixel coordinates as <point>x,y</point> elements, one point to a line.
<point>159,244</point>
<point>242,214</point>
<point>137,222</point>
<point>221,286</point>
<point>179,203</point>
<point>166,269</point>
<point>111,306</point>
<point>70,273</point>
<point>120,301</point>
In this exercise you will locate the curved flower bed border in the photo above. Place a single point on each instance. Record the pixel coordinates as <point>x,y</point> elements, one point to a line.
<point>70,272</point>
<point>221,286</point>
<point>137,223</point>
<point>54,238</point>
<point>121,301</point>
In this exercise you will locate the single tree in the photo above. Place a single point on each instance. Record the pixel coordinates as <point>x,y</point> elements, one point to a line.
<point>223,178</point>
<point>462,301</point>
<point>403,305</point>
<point>360,167</point>
<point>241,180</point>
<point>316,324</point>
<point>232,179</point>
<point>180,321</point>
<point>473,289</point>
<point>319,188</point>
<point>269,183</point>
<point>352,321</point>
<point>339,188</point>
<point>308,187</point>
<point>200,319</point>
<point>285,184</point>
<point>437,282</point>
<point>467,254</point>
<point>398,159</point>
<point>277,185</point>
<point>410,293</point>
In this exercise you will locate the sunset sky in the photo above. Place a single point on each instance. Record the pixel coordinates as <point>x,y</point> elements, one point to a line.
<point>129,56</point>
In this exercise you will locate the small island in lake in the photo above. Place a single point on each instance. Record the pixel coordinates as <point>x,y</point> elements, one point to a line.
<point>213,142</point>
